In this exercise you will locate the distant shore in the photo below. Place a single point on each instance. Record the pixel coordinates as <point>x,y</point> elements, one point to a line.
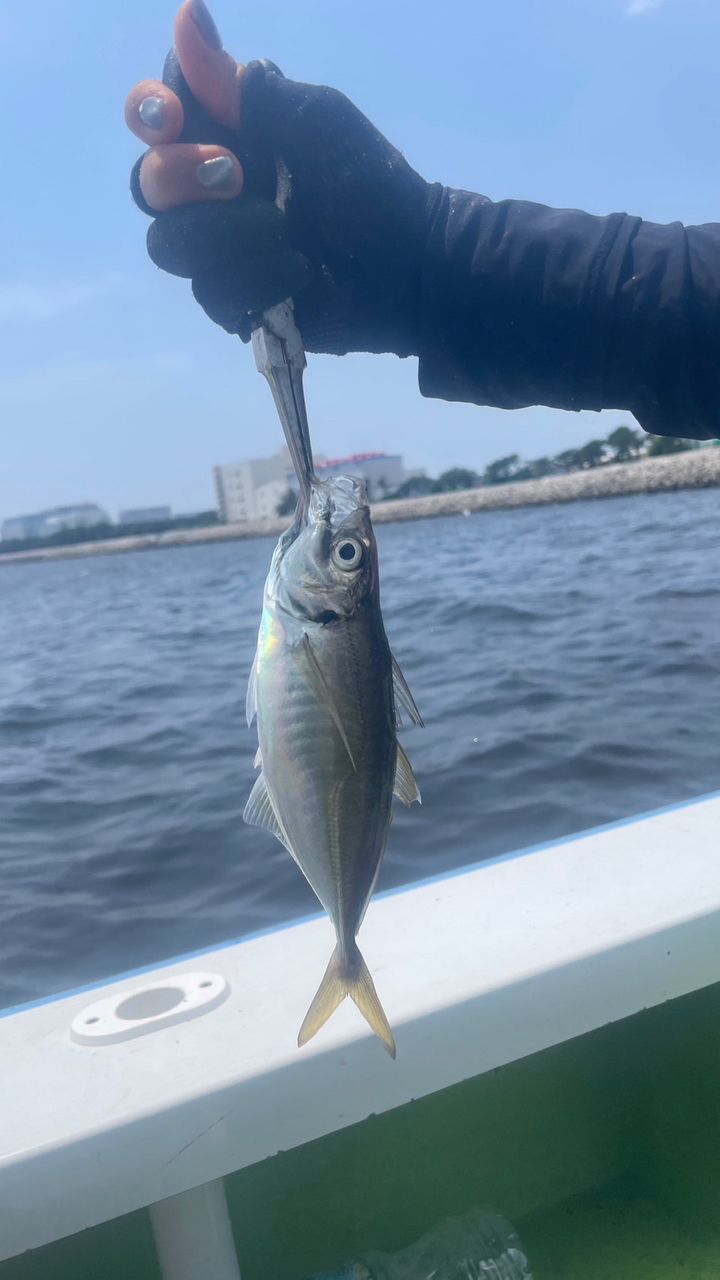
<point>699,469</point>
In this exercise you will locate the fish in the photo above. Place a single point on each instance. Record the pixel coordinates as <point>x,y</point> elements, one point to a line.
<point>329,697</point>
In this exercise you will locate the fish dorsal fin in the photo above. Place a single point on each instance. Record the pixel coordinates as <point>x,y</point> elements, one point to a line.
<point>260,812</point>
<point>405,788</point>
<point>324,693</point>
<point>251,696</point>
<point>403,696</point>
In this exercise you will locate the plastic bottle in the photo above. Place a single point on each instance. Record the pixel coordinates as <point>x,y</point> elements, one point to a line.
<point>480,1245</point>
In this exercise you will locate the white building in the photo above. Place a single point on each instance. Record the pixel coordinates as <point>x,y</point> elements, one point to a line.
<point>43,524</point>
<point>145,515</point>
<point>251,490</point>
<point>267,498</point>
<point>382,472</point>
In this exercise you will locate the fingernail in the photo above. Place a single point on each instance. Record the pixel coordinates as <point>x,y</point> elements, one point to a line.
<point>151,112</point>
<point>204,23</point>
<point>217,174</point>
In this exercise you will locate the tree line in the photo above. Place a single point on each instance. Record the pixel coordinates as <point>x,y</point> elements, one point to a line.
<point>621,445</point>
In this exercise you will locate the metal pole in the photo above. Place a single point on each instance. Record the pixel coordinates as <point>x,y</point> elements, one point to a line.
<point>193,1235</point>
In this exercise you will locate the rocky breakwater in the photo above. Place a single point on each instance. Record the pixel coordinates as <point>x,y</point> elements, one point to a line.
<point>697,469</point>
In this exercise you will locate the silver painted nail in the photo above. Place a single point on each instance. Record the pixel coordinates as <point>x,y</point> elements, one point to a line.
<point>217,174</point>
<point>151,112</point>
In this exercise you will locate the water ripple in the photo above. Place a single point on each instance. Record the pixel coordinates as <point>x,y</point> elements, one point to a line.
<point>565,660</point>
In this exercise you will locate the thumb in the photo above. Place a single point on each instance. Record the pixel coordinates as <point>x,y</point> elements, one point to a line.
<point>214,77</point>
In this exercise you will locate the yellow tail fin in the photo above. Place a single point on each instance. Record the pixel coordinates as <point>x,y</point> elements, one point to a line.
<point>347,977</point>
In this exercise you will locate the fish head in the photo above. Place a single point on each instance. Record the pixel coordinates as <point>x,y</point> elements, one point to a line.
<point>328,566</point>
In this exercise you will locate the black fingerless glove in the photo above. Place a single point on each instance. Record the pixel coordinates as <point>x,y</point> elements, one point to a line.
<point>507,304</point>
<point>331,214</point>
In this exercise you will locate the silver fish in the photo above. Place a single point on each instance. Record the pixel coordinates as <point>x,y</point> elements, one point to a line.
<point>325,688</point>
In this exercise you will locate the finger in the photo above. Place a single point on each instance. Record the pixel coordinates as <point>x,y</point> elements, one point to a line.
<point>214,77</point>
<point>187,172</point>
<point>153,112</point>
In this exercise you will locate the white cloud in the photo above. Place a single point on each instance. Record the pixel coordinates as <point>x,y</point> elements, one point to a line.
<point>638,8</point>
<point>23,300</point>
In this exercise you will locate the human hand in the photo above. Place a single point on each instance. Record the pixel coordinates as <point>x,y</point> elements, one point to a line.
<point>265,188</point>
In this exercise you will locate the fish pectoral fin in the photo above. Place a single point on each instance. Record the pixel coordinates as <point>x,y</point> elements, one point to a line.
<point>403,696</point>
<point>251,696</point>
<point>405,788</point>
<point>343,977</point>
<point>324,693</point>
<point>260,812</point>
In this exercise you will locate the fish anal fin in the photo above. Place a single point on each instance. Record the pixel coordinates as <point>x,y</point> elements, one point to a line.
<point>343,977</point>
<point>405,788</point>
<point>260,812</point>
<point>324,694</point>
<point>403,697</point>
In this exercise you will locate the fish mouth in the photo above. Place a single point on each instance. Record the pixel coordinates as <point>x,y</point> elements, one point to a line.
<point>332,501</point>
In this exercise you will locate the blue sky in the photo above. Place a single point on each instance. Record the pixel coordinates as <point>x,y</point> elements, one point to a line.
<point>115,387</point>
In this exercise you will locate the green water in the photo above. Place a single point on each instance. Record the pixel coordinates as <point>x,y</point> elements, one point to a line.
<point>603,1152</point>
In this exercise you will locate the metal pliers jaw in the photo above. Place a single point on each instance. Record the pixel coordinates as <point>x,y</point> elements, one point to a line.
<point>280,357</point>
<point>278,347</point>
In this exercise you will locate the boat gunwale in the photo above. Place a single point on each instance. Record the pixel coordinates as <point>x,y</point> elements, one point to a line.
<point>465,868</point>
<point>195,1102</point>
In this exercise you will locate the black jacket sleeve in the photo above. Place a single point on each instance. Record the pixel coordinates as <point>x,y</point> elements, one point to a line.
<point>525,305</point>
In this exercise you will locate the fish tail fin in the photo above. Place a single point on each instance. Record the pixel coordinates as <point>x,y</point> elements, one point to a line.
<point>347,975</point>
<point>331,992</point>
<point>361,990</point>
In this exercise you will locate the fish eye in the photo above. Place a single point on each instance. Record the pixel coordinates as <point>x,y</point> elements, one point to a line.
<point>347,554</point>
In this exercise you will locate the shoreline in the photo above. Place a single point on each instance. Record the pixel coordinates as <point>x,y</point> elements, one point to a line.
<point>699,469</point>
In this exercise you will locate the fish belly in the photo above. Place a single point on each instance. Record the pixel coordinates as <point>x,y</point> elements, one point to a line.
<point>332,792</point>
